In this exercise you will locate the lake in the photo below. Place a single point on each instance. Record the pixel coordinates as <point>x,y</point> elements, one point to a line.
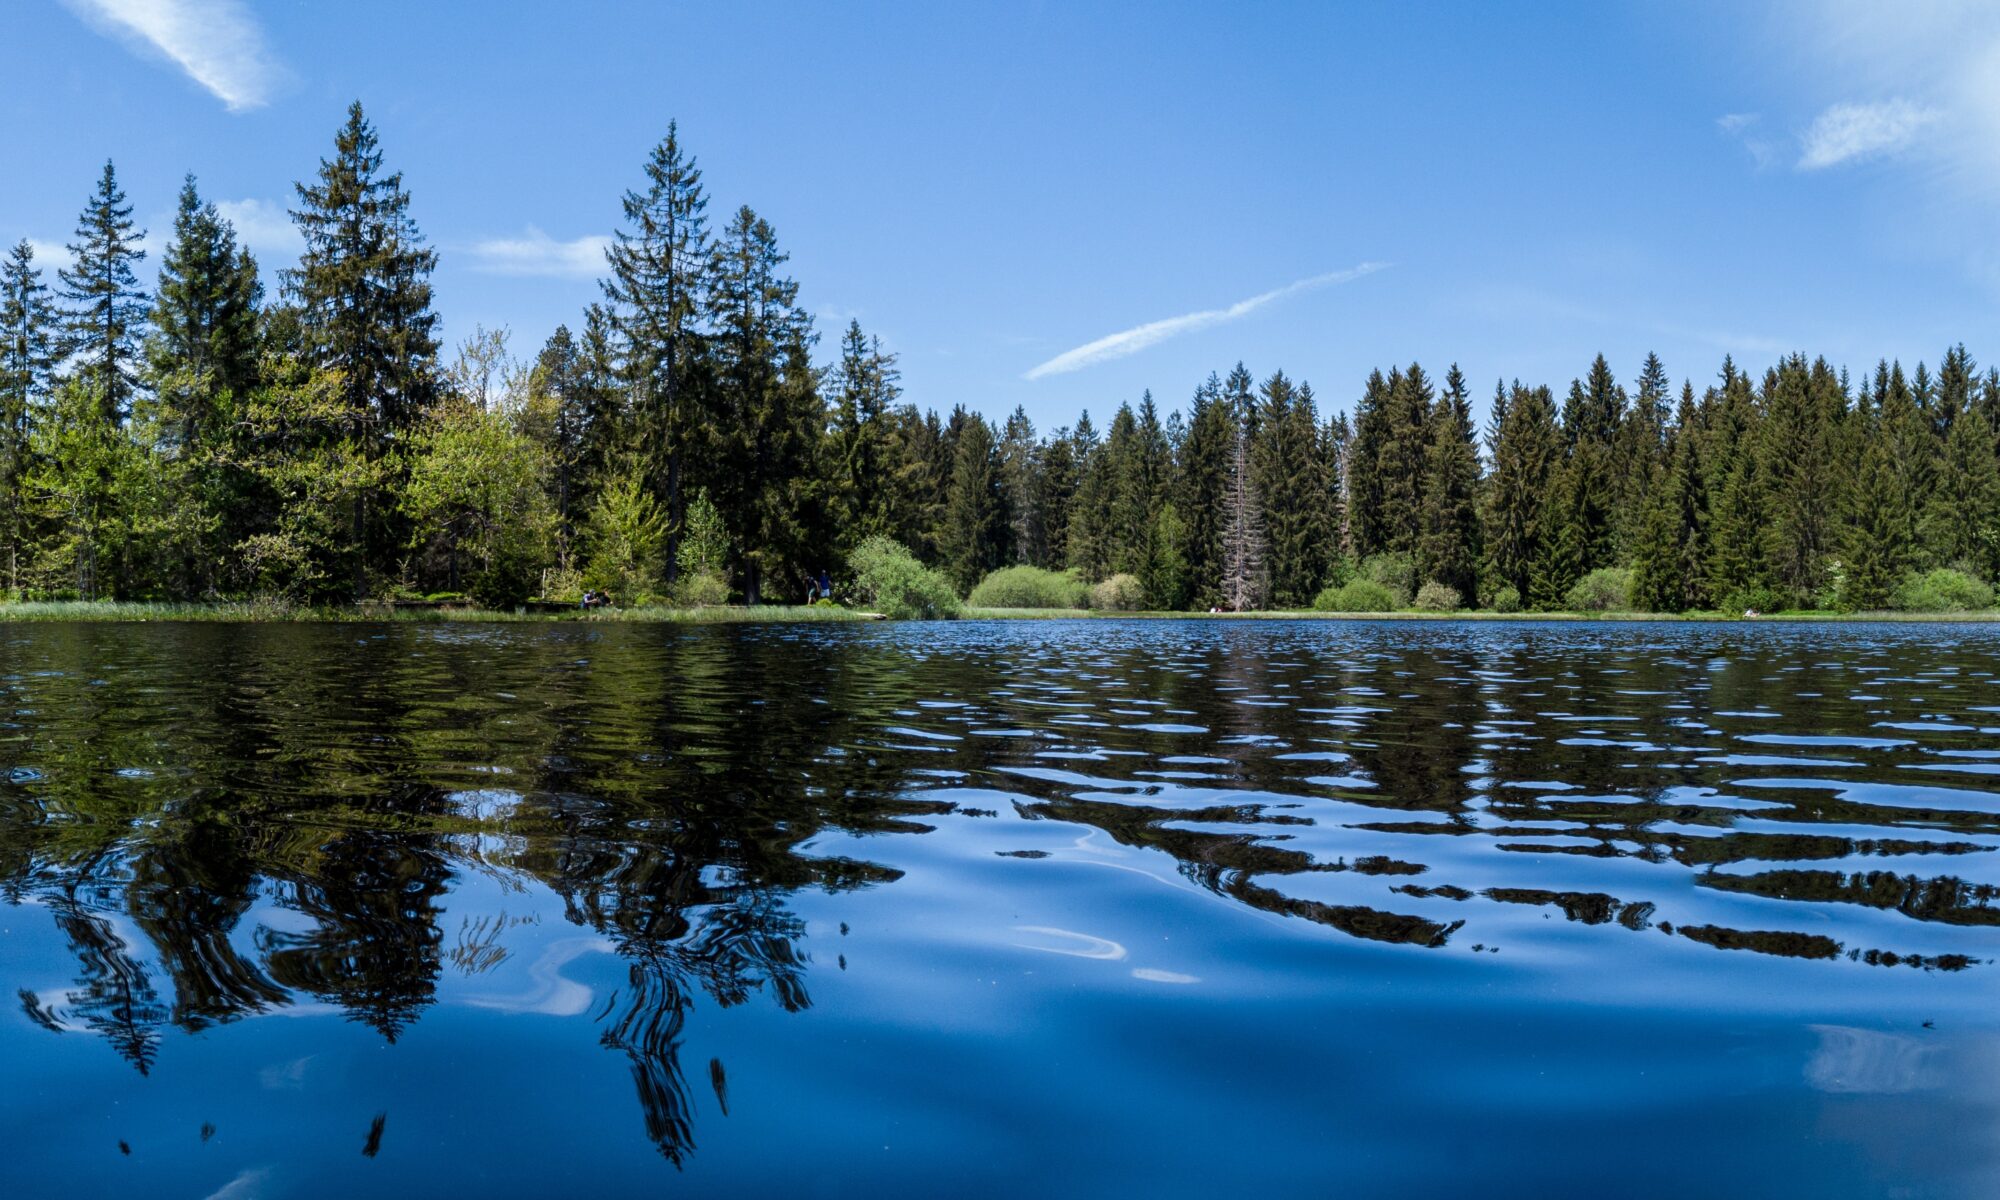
<point>993,909</point>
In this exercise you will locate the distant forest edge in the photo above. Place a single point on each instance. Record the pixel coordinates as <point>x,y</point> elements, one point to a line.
<point>203,441</point>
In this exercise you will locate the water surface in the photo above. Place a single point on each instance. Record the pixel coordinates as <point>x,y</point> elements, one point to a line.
<point>1073,908</point>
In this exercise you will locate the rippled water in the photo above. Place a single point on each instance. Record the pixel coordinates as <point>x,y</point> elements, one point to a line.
<point>1085,908</point>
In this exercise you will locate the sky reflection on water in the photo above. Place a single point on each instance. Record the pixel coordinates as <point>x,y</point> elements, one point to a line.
<point>1083,908</point>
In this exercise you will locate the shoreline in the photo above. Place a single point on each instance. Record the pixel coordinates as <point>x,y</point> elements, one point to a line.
<point>254,612</point>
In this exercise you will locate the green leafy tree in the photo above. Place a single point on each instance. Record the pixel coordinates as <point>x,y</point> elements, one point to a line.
<point>625,536</point>
<point>477,500</point>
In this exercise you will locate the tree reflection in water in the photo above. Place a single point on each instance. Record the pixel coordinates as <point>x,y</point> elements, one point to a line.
<point>172,784</point>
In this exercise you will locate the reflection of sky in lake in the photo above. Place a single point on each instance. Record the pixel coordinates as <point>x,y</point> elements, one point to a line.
<point>1137,907</point>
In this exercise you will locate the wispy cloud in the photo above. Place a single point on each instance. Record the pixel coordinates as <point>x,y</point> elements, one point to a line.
<point>217,42</point>
<point>1850,132</point>
<point>1747,129</point>
<point>1131,341</point>
<point>263,226</point>
<point>535,253</point>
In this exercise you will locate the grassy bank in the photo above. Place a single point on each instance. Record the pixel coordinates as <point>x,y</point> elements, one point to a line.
<point>272,611</point>
<point>1045,614</point>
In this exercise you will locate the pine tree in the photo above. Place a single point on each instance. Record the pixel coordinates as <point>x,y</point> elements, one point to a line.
<point>1020,464</point>
<point>363,284</point>
<point>1285,464</point>
<point>107,307</point>
<point>767,391</point>
<point>29,324</point>
<point>571,382</point>
<point>203,350</point>
<point>1203,480</point>
<point>1056,482</point>
<point>1670,558</point>
<point>1368,530</point>
<point>975,526</point>
<point>1527,455</point>
<point>1448,550</point>
<point>1335,443</point>
<point>660,266</point>
<point>1123,486</point>
<point>865,389</point>
<point>1796,469</point>
<point>1403,457</point>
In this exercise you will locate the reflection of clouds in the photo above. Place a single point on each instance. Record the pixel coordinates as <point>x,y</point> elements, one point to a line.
<point>552,995</point>
<point>1064,941</point>
<point>285,1077</point>
<point>1869,1061</point>
<point>1155,975</point>
<point>247,1185</point>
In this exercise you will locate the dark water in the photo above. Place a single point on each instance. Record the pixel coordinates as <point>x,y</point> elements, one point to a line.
<point>1096,908</point>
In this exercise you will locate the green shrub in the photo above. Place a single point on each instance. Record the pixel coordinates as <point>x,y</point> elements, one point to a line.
<point>1120,593</point>
<point>1607,589</point>
<point>1359,595</point>
<point>890,580</point>
<point>1029,587</point>
<point>1506,600</point>
<point>701,588</point>
<point>1753,599</point>
<point>1393,570</point>
<point>1943,590</point>
<point>1437,597</point>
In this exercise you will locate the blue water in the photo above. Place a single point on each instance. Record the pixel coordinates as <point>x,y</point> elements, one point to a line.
<point>992,909</point>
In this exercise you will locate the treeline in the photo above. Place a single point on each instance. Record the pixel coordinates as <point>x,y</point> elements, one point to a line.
<point>211,438</point>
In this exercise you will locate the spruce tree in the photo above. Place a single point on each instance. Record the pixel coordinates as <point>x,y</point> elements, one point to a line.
<point>107,307</point>
<point>29,326</point>
<point>767,393</point>
<point>1670,558</point>
<point>1055,489</point>
<point>203,349</point>
<point>1403,457</point>
<point>1203,479</point>
<point>1367,526</point>
<point>1448,549</point>
<point>363,284</point>
<point>865,389</point>
<point>1020,470</point>
<point>660,265</point>
<point>975,524</point>
<point>1796,469</point>
<point>1527,455</point>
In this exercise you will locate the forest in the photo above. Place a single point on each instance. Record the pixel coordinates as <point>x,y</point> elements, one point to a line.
<point>304,436</point>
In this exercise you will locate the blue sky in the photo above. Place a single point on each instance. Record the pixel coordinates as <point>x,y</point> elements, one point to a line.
<point>1059,205</point>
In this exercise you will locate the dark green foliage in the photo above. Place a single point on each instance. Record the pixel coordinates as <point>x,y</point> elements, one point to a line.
<point>1527,454</point>
<point>657,291</point>
<point>363,284</point>
<point>975,523</point>
<point>1447,550</point>
<point>107,307</point>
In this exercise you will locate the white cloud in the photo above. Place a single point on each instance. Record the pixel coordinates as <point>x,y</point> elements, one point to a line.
<point>50,257</point>
<point>1736,122</point>
<point>1131,341</point>
<point>217,42</point>
<point>1849,132</point>
<point>265,227</point>
<point>535,253</point>
<point>1744,128</point>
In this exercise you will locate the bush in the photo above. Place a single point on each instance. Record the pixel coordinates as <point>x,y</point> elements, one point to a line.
<point>1120,593</point>
<point>1607,589</point>
<point>1358,595</point>
<point>1753,599</point>
<point>1029,587</point>
<point>1437,597</point>
<point>1943,590</point>
<point>1393,570</point>
<point>890,580</point>
<point>701,588</point>
<point>1506,600</point>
